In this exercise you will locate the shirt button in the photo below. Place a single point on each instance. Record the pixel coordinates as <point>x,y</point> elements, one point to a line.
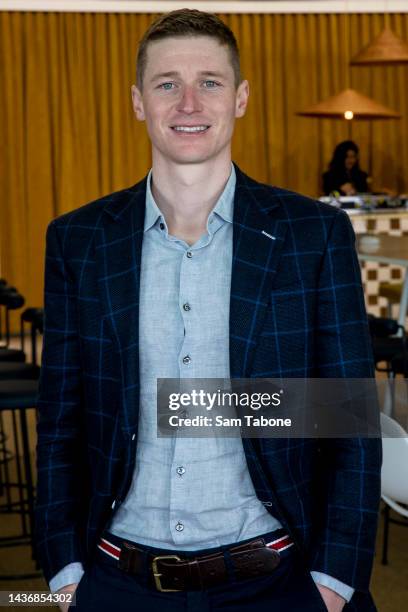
<point>180,471</point>
<point>186,307</point>
<point>189,254</point>
<point>186,359</point>
<point>179,526</point>
<point>161,226</point>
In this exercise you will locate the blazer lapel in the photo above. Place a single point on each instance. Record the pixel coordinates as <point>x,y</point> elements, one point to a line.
<point>259,232</point>
<point>119,252</point>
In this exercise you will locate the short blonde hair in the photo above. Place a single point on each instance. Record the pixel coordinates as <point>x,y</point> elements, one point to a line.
<point>188,22</point>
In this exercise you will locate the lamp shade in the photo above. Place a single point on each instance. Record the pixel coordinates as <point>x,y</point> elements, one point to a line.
<point>386,48</point>
<point>349,104</point>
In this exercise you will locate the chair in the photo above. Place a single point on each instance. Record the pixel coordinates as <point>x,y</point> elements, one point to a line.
<point>399,364</point>
<point>388,341</point>
<point>392,292</point>
<point>394,476</point>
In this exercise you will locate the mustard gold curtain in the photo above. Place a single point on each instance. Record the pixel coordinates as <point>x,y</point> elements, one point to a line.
<point>67,133</point>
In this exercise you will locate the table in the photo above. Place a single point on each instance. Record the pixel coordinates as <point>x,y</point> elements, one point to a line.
<point>373,273</point>
<point>391,250</point>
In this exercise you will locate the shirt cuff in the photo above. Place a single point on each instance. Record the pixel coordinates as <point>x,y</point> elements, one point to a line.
<point>335,585</point>
<point>69,574</point>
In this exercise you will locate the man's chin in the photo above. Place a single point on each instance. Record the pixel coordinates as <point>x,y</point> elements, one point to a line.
<point>190,159</point>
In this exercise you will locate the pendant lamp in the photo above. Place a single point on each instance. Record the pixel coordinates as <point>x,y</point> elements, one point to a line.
<point>386,48</point>
<point>349,104</point>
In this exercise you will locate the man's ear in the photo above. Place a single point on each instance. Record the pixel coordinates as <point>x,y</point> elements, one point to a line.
<point>137,103</point>
<point>241,100</point>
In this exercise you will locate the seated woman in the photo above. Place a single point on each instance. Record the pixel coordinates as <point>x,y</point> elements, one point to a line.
<point>344,174</point>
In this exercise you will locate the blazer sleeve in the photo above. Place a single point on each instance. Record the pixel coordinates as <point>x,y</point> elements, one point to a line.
<point>60,458</point>
<point>352,467</point>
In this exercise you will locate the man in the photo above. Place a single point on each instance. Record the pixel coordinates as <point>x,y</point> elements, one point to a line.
<point>198,271</point>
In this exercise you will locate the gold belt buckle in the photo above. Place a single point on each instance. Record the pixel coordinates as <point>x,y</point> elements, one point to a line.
<point>157,575</point>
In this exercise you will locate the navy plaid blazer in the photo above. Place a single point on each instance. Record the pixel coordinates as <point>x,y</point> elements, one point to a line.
<point>296,310</point>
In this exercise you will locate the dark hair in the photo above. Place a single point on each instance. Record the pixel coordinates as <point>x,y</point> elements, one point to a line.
<point>188,22</point>
<point>340,154</point>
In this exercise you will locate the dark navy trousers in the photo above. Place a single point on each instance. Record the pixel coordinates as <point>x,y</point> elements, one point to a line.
<point>289,588</point>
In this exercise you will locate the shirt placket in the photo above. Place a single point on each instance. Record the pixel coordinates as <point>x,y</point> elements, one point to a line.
<point>180,468</point>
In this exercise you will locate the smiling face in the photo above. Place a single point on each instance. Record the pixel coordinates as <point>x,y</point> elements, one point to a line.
<point>189,100</point>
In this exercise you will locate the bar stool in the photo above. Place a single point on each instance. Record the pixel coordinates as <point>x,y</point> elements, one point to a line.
<point>11,373</point>
<point>3,284</point>
<point>10,299</point>
<point>17,397</point>
<point>35,318</point>
<point>13,370</point>
<point>7,354</point>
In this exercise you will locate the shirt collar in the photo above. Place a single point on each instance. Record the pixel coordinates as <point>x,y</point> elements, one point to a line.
<point>224,206</point>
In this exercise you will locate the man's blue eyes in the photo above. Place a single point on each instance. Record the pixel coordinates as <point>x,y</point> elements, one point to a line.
<point>208,84</point>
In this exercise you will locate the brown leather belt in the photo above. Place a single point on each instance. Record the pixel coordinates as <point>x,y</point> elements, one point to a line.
<point>174,573</point>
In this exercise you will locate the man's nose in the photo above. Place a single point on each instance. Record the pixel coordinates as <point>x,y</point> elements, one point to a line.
<point>189,101</point>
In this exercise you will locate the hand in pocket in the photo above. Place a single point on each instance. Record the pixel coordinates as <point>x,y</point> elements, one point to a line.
<point>69,588</point>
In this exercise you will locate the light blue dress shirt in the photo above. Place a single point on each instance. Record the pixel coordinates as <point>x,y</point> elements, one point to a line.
<point>187,493</point>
